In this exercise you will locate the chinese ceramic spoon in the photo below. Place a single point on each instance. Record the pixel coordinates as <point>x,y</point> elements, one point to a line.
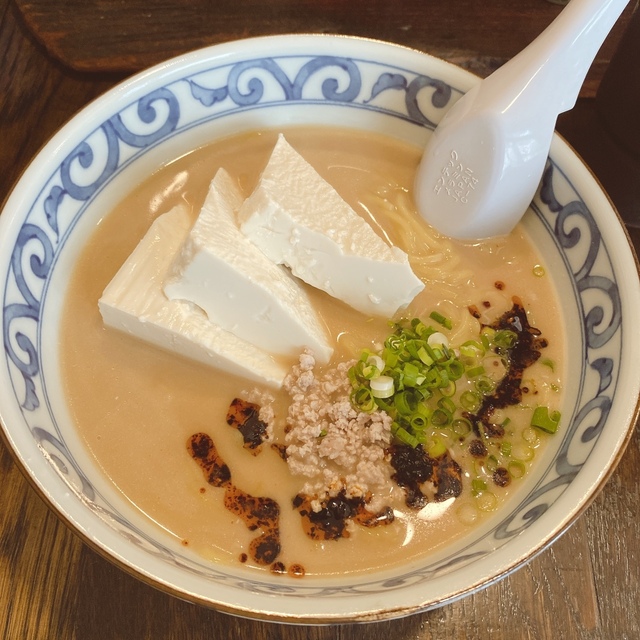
<point>483,163</point>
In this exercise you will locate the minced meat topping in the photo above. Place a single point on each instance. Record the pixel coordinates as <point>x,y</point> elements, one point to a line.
<point>339,449</point>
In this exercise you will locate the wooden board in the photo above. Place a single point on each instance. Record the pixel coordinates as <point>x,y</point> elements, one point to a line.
<point>126,36</point>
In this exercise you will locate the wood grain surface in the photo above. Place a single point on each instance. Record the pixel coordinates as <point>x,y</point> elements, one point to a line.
<point>116,36</point>
<point>52,586</point>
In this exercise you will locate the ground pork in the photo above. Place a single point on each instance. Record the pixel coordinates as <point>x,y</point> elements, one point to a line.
<point>329,442</point>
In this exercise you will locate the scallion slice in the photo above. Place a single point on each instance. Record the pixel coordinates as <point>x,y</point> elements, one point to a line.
<point>505,338</point>
<point>382,387</point>
<point>470,401</point>
<point>475,371</point>
<point>438,339</point>
<point>516,468</point>
<point>436,448</point>
<point>461,427</point>
<point>440,319</point>
<point>544,420</point>
<point>362,399</point>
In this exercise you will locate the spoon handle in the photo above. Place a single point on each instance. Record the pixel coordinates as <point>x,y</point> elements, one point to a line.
<point>549,72</point>
<point>567,48</point>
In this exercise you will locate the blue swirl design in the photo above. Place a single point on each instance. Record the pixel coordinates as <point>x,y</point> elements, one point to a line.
<point>257,83</point>
<point>51,205</point>
<point>147,113</point>
<point>570,237</point>
<point>395,81</point>
<point>30,239</point>
<point>292,90</point>
<point>108,160</point>
<point>356,91</point>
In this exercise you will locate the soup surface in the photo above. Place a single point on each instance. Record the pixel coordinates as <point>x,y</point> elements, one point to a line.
<point>144,412</point>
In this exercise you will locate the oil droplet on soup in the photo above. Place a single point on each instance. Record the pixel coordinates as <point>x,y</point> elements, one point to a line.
<point>136,406</point>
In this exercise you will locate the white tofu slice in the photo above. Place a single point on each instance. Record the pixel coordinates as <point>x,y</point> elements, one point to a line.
<point>133,302</point>
<point>238,287</point>
<point>298,219</point>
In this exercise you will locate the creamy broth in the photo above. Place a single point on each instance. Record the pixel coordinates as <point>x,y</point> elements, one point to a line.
<point>136,406</point>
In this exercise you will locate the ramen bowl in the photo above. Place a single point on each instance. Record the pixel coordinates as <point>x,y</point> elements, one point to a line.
<point>165,112</point>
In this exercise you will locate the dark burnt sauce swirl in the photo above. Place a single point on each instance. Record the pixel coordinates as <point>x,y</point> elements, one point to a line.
<point>257,513</point>
<point>525,352</point>
<point>414,467</point>
<point>330,522</point>
<point>245,416</point>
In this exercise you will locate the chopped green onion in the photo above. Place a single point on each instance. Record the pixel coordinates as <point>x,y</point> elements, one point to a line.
<point>438,339</point>
<point>545,421</point>
<point>395,343</point>
<point>405,402</point>
<point>420,329</point>
<point>547,362</point>
<point>412,376</point>
<point>376,361</point>
<point>446,404</point>
<point>516,468</point>
<point>418,422</point>
<point>455,369</point>
<point>390,358</point>
<point>472,349</point>
<point>461,426</point>
<point>382,387</point>
<point>485,385</point>
<point>505,338</point>
<point>362,399</point>
<point>486,336</point>
<point>441,418</point>
<point>522,451</point>
<point>486,501</point>
<point>449,390</point>
<point>440,319</point>
<point>475,371</point>
<point>436,448</point>
<point>425,358</point>
<point>478,485</point>
<point>505,448</point>
<point>428,386</point>
<point>405,437</point>
<point>470,400</point>
<point>388,407</point>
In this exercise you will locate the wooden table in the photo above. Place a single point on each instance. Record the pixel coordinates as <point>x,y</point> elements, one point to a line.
<point>52,586</point>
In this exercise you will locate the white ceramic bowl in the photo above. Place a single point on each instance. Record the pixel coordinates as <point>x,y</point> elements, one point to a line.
<point>271,82</point>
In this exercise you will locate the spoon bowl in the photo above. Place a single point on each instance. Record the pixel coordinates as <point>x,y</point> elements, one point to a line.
<point>484,161</point>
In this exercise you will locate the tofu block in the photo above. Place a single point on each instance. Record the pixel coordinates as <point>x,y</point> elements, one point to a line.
<point>133,302</point>
<point>238,287</point>
<point>299,220</point>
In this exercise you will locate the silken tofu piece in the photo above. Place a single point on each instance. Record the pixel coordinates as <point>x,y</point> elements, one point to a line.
<point>298,219</point>
<point>238,287</point>
<point>134,302</point>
